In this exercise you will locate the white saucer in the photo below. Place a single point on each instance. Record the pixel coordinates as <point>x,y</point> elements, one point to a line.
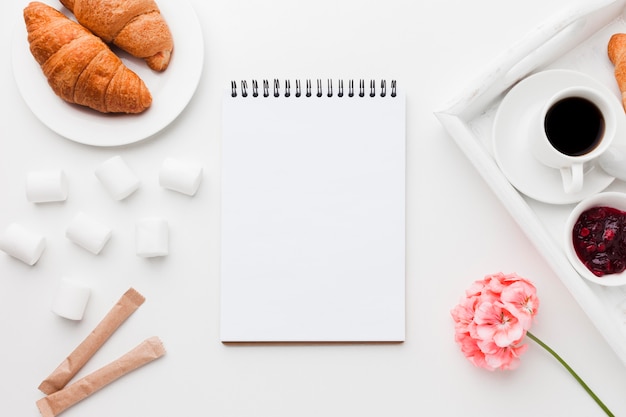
<point>511,132</point>
<point>171,90</point>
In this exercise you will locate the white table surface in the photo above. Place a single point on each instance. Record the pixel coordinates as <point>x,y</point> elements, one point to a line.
<point>457,231</point>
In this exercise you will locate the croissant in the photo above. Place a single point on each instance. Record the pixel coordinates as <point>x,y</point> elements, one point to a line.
<point>80,68</point>
<point>135,26</point>
<point>617,55</point>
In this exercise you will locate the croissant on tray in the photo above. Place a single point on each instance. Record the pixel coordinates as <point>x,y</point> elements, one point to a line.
<point>135,26</point>
<point>617,55</point>
<point>80,68</point>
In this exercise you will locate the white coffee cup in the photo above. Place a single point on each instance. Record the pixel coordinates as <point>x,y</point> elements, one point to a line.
<point>575,126</point>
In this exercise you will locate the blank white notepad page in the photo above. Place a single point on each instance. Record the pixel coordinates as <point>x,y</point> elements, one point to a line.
<point>313,219</point>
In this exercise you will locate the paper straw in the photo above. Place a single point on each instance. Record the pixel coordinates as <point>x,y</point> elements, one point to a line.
<point>127,304</point>
<point>147,351</point>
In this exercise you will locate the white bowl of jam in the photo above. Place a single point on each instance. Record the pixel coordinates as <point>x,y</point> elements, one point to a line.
<point>595,238</point>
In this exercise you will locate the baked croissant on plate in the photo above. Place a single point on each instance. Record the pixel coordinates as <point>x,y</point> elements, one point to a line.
<point>135,26</point>
<point>617,55</point>
<point>80,68</point>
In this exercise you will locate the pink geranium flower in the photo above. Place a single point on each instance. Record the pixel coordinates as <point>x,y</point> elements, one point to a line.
<point>520,298</point>
<point>488,326</point>
<point>498,357</point>
<point>492,320</point>
<point>495,323</point>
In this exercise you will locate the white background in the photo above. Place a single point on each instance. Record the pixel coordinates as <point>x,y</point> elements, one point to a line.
<point>457,232</point>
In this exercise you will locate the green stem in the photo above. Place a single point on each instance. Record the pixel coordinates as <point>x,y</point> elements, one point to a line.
<point>571,371</point>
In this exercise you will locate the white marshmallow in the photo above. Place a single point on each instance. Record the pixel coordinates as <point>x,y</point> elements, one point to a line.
<point>152,237</point>
<point>46,186</point>
<point>181,176</point>
<point>88,233</point>
<point>117,178</point>
<point>22,244</point>
<point>70,300</point>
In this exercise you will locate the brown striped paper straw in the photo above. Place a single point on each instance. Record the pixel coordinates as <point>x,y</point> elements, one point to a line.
<point>147,351</point>
<point>127,304</point>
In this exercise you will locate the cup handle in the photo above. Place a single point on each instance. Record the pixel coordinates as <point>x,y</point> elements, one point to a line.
<point>613,162</point>
<point>572,178</point>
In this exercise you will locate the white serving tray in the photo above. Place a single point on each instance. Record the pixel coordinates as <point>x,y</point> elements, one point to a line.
<point>575,40</point>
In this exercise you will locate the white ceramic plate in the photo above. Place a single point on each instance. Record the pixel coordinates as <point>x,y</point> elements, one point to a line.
<point>511,136</point>
<point>171,90</point>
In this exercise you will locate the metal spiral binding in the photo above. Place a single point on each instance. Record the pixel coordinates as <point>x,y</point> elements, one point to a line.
<point>308,88</point>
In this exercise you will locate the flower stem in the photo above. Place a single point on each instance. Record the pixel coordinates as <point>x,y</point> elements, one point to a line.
<point>571,371</point>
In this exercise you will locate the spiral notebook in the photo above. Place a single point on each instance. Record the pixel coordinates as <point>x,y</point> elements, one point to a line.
<point>313,212</point>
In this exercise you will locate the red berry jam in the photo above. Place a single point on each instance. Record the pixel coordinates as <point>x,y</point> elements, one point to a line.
<point>600,240</point>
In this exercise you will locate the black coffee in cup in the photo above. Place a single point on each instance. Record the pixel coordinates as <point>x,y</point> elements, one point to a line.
<point>574,126</point>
